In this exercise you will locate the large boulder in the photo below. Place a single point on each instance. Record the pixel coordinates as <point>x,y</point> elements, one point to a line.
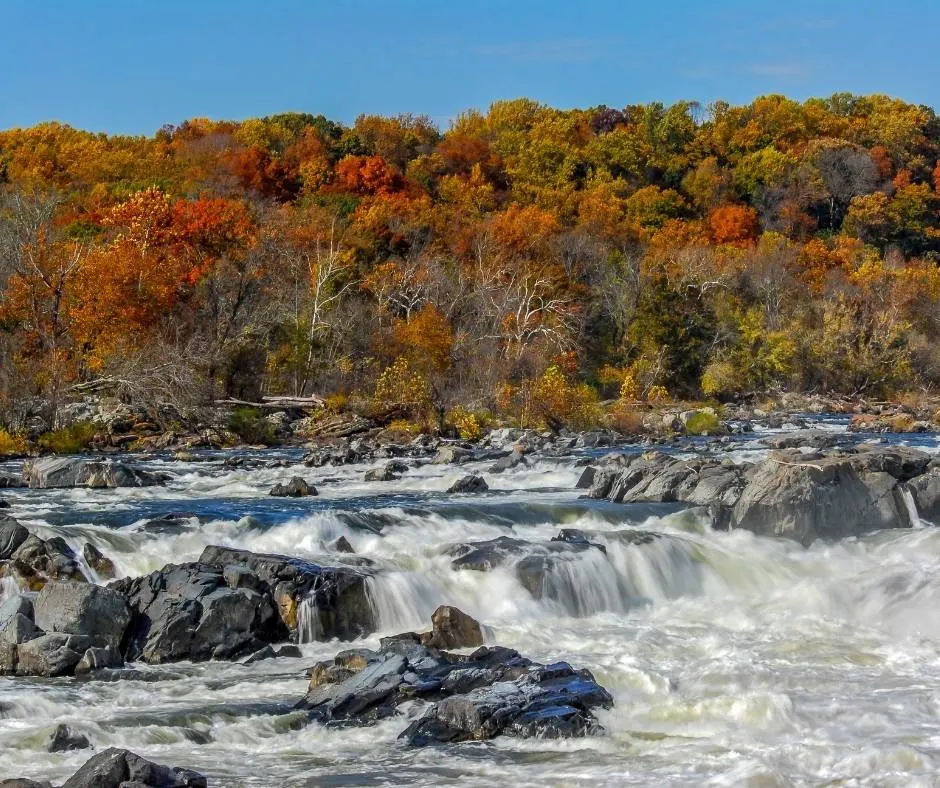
<point>925,490</point>
<point>17,624</point>
<point>115,768</point>
<point>490,692</point>
<point>50,472</point>
<point>822,498</point>
<point>187,611</point>
<point>335,596</point>
<point>797,494</point>
<point>98,613</point>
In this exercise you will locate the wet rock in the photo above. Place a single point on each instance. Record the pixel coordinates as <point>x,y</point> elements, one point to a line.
<point>50,472</point>
<point>99,658</point>
<point>170,524</point>
<point>187,611</point>
<point>63,738</point>
<point>115,768</point>
<point>36,561</point>
<point>336,594</point>
<point>342,545</point>
<point>4,504</point>
<point>577,537</point>
<point>12,535</point>
<point>491,692</point>
<point>267,652</point>
<point>289,651</point>
<point>452,628</point>
<point>469,484</point>
<point>54,654</point>
<point>98,562</point>
<point>295,488</point>
<point>19,782</point>
<point>95,612</point>
<point>386,473</point>
<point>11,480</point>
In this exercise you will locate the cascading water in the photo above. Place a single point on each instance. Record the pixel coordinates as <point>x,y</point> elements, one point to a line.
<point>910,505</point>
<point>733,659</point>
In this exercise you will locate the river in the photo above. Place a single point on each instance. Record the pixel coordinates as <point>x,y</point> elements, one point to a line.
<point>732,659</point>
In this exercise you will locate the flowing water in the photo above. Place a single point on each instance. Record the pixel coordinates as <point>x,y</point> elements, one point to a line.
<point>733,660</point>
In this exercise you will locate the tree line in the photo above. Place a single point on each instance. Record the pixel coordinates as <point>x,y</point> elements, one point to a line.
<point>528,261</point>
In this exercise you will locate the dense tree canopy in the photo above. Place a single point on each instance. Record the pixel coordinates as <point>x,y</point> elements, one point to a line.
<point>717,251</point>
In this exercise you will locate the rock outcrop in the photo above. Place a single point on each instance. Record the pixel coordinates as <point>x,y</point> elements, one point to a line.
<point>50,472</point>
<point>469,484</point>
<point>490,692</point>
<point>297,487</point>
<point>798,494</point>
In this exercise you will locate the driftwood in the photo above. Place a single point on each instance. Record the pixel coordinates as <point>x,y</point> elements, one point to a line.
<point>276,403</point>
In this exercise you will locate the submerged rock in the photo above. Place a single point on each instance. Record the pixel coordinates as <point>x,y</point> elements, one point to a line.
<point>493,691</point>
<point>50,472</point>
<point>116,768</point>
<point>98,562</point>
<point>63,738</point>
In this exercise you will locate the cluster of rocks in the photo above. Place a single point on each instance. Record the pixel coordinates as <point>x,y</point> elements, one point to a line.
<point>489,692</point>
<point>51,472</point>
<point>798,493</point>
<point>117,768</point>
<point>228,604</point>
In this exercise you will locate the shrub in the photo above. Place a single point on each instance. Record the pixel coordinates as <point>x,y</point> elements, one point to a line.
<point>629,390</point>
<point>703,422</point>
<point>466,423</point>
<point>625,421</point>
<point>11,444</point>
<point>250,426</point>
<point>335,403</point>
<point>68,440</point>
<point>657,395</point>
<point>404,390</point>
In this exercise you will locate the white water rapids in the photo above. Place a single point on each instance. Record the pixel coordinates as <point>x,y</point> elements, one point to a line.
<point>732,659</point>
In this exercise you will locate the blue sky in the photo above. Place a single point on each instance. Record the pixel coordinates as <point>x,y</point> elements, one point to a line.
<point>127,66</point>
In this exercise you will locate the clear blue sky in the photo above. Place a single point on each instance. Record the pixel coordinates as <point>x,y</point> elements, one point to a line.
<point>128,66</point>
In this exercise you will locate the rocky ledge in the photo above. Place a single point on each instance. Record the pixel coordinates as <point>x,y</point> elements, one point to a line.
<point>229,604</point>
<point>797,493</point>
<point>490,692</point>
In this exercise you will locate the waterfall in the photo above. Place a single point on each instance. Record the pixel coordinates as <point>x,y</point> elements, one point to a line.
<point>403,601</point>
<point>308,620</point>
<point>910,504</point>
<point>8,588</point>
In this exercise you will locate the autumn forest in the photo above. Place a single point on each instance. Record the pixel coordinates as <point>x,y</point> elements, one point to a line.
<point>526,260</point>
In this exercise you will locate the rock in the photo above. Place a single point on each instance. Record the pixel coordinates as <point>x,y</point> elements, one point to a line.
<point>451,454</point>
<point>469,484</point>
<point>54,654</point>
<point>98,563</point>
<point>20,782</point>
<point>63,738</point>
<point>267,652</point>
<point>925,490</point>
<point>384,474</point>
<point>38,561</point>
<point>510,461</point>
<point>295,488</point>
<point>50,472</point>
<point>11,480</point>
<point>187,611</point>
<point>98,658</point>
<point>812,439</point>
<point>338,594</point>
<point>452,628</point>
<point>115,768</point>
<point>342,545</point>
<point>4,504</point>
<point>289,651</point>
<point>491,692</point>
<point>16,619</point>
<point>12,535</point>
<point>826,498</point>
<point>95,612</point>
